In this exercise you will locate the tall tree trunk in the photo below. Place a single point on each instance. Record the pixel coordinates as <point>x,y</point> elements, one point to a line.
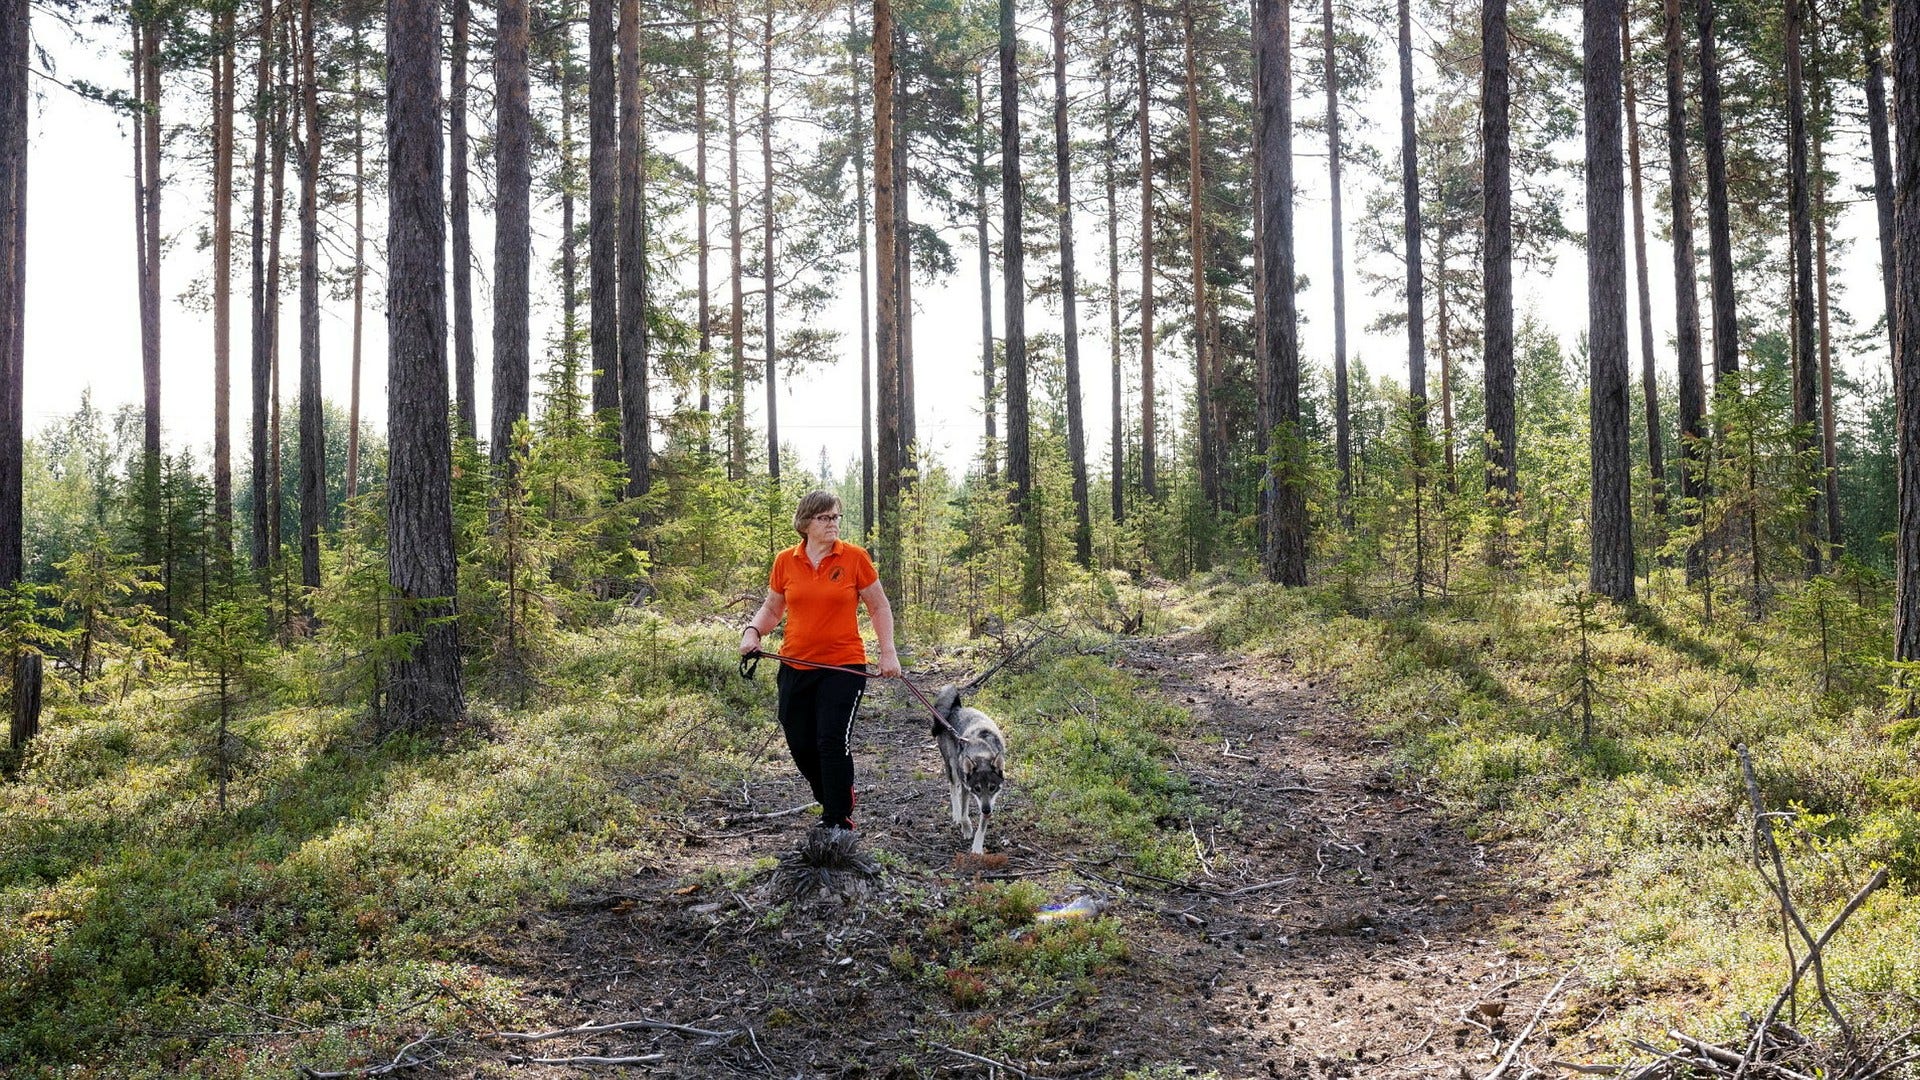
<point>276,229</point>
<point>769,307</point>
<point>1906,111</point>
<point>1806,381</point>
<point>223,133</point>
<point>888,451</point>
<point>903,228</point>
<point>1149,479</point>
<point>569,240</point>
<point>636,442</point>
<point>1069,302</point>
<point>603,214</point>
<point>1110,170</point>
<point>1649,380</point>
<point>1503,478</point>
<point>465,397</point>
<point>359,260</point>
<point>1284,483</point>
<point>1443,314</point>
<point>1611,572</point>
<point>1013,265</point>
<point>1416,297</point>
<point>1876,89</point>
<point>703,238</point>
<point>1829,449</point>
<point>737,310</point>
<point>980,226</point>
<point>1693,392</point>
<point>16,46</point>
<point>425,692</point>
<point>1726,328</point>
<point>1203,381</point>
<point>147,183</point>
<point>261,344</point>
<point>860,196</point>
<point>1342,425</point>
<point>512,231</point>
<point>313,435</point>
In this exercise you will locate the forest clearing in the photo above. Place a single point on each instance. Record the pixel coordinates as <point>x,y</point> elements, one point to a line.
<point>1290,872</point>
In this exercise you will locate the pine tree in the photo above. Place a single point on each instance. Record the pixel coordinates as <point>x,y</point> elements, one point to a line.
<point>15,48</point>
<point>1611,573</point>
<point>512,237</point>
<point>1906,82</point>
<point>426,691</point>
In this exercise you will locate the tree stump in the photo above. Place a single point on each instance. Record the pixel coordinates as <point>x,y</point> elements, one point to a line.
<point>26,700</point>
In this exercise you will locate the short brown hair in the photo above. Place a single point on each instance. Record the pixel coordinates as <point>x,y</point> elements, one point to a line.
<point>811,504</point>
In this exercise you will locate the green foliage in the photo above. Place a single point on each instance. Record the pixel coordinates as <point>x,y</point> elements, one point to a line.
<point>101,591</point>
<point>227,649</point>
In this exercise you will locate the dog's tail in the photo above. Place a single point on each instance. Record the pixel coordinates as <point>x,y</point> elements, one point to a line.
<point>947,700</point>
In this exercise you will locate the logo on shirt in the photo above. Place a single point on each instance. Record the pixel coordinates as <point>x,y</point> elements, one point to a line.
<point>835,576</point>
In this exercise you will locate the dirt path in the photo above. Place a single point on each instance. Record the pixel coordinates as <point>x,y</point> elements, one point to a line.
<point>1343,927</point>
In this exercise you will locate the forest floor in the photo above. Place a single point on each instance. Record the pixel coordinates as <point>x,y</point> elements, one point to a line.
<point>1342,925</point>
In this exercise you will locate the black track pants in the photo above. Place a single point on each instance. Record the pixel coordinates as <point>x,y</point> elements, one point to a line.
<point>816,712</point>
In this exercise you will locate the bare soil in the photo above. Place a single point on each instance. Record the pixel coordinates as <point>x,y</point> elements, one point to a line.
<point>1344,925</point>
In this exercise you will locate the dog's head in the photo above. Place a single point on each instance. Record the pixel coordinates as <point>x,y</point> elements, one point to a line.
<point>984,774</point>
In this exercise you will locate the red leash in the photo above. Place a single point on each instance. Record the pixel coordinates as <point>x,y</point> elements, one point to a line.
<point>750,662</point>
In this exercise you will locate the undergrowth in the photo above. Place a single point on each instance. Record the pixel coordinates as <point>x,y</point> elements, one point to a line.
<point>1642,817</point>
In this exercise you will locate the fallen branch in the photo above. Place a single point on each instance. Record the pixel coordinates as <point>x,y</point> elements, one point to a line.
<point>588,1059</point>
<point>1014,1069</point>
<point>1878,881</point>
<point>769,815</point>
<point>601,1029</point>
<point>1513,1048</point>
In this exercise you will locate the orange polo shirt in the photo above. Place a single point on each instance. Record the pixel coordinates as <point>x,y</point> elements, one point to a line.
<point>823,602</point>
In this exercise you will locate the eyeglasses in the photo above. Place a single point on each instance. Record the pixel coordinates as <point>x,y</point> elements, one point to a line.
<point>828,518</point>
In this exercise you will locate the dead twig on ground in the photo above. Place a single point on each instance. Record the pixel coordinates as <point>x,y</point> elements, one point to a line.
<point>1513,1048</point>
<point>642,1024</point>
<point>1014,1069</point>
<point>589,1059</point>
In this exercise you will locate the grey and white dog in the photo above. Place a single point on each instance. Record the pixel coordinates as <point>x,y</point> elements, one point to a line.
<point>976,755</point>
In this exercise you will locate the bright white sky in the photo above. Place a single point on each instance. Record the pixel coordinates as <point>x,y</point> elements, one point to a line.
<point>83,330</point>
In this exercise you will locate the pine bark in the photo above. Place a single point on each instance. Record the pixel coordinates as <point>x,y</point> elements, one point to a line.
<point>1203,382</point>
<point>1149,479</point>
<point>260,357</point>
<point>703,238</point>
<point>736,240</point>
<point>860,197</point>
<point>1726,329</point>
<point>512,233</point>
<point>603,213</point>
<point>223,134</point>
<point>1906,82</point>
<point>1285,478</point>
<point>1611,571</point>
<point>465,396</point>
<point>359,262</point>
<point>1879,145</point>
<point>1069,300</point>
<point>313,436</point>
<point>1649,380</point>
<point>1014,305</point>
<point>424,688</point>
<point>147,183</point>
<point>903,253</point>
<point>769,307</point>
<point>990,448</point>
<point>16,47</point>
<point>1806,372</point>
<point>1342,420</point>
<point>888,450</point>
<point>1497,254</point>
<point>636,443</point>
<point>1692,382</point>
<point>1110,169</point>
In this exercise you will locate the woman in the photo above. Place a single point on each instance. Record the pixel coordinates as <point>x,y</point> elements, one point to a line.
<point>818,586</point>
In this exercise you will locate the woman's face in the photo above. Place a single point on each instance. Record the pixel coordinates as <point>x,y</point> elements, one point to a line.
<point>824,527</point>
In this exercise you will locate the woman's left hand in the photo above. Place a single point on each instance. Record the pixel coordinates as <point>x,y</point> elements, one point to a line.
<point>889,664</point>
